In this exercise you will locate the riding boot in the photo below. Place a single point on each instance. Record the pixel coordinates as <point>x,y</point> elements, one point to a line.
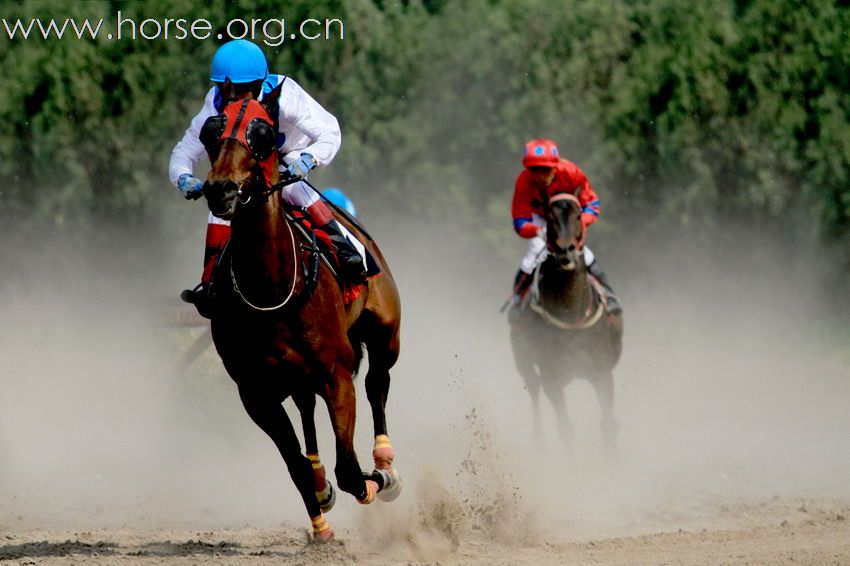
<point>351,264</point>
<point>522,282</point>
<point>614,306</point>
<point>201,295</point>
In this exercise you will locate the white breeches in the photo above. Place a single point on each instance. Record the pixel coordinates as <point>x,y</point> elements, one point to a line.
<point>537,253</point>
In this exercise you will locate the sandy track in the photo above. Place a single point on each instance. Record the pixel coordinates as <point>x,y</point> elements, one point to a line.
<point>733,434</point>
<point>817,536</point>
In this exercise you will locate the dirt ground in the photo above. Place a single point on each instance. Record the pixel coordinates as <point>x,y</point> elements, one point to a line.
<point>732,398</point>
<point>774,534</point>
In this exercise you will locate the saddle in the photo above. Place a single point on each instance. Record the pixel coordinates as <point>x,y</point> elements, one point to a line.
<point>530,305</point>
<point>326,249</point>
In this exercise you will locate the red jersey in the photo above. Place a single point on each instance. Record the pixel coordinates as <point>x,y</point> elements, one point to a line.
<point>528,199</point>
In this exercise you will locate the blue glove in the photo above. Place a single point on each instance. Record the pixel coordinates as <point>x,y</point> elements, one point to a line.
<point>303,165</point>
<point>191,187</point>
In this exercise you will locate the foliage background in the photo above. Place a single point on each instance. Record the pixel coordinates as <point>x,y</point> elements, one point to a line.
<point>684,115</point>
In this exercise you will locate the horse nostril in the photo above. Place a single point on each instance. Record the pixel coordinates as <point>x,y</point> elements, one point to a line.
<point>571,248</point>
<point>219,187</point>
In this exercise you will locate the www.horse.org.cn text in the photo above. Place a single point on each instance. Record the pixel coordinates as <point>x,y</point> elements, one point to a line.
<point>272,32</point>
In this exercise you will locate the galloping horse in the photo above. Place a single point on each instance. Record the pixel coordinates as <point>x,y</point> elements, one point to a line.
<point>565,331</point>
<point>280,322</point>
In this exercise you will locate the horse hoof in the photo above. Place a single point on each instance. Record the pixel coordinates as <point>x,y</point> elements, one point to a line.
<point>383,453</point>
<point>392,485</point>
<point>322,531</point>
<point>326,497</point>
<point>323,536</point>
<point>371,490</point>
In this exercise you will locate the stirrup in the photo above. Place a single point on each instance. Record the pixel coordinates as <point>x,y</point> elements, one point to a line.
<point>193,296</point>
<point>200,297</point>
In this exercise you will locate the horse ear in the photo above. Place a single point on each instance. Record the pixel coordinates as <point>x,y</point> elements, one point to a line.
<point>228,92</point>
<point>271,99</point>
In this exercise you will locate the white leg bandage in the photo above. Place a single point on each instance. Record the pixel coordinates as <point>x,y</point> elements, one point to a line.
<point>217,220</point>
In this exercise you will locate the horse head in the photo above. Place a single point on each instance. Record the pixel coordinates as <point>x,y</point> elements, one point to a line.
<point>564,230</point>
<point>241,145</point>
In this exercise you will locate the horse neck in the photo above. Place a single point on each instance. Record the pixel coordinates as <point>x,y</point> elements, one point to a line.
<point>264,247</point>
<point>566,293</point>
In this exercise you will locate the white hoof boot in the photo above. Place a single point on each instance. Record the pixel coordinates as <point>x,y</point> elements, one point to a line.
<point>392,485</point>
<point>327,497</point>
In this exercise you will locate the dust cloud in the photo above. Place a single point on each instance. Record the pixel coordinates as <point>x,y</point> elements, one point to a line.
<point>732,390</point>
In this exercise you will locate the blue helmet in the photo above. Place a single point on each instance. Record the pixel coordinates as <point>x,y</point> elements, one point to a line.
<point>338,197</point>
<point>241,61</point>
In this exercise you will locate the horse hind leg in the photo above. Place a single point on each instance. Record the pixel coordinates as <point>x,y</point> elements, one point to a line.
<point>268,413</point>
<point>383,347</point>
<point>325,492</point>
<point>554,390</point>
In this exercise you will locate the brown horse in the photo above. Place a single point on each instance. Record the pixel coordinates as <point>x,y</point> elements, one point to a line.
<point>280,322</point>
<point>565,331</point>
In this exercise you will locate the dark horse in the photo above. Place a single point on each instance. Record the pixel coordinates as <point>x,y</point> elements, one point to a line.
<point>565,331</point>
<point>280,322</point>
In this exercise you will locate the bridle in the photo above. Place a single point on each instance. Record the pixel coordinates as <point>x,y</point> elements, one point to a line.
<point>591,316</point>
<point>558,198</point>
<point>250,125</point>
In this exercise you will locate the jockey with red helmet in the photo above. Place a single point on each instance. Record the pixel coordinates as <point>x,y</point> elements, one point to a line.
<point>308,137</point>
<point>546,174</point>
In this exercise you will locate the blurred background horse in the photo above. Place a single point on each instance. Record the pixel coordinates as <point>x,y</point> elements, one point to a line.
<point>565,330</point>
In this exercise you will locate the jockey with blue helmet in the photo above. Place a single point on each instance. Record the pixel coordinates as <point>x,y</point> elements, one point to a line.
<point>308,137</point>
<point>340,199</point>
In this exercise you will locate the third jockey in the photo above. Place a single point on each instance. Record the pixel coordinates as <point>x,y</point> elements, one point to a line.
<point>308,137</point>
<point>545,173</point>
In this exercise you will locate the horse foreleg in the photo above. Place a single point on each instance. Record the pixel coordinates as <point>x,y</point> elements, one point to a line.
<point>268,413</point>
<point>554,390</point>
<point>325,494</point>
<point>525,367</point>
<point>533,387</point>
<point>604,387</point>
<point>340,398</point>
<point>383,348</point>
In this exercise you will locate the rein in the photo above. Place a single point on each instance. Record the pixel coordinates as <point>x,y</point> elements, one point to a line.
<point>310,273</point>
<point>266,191</point>
<point>291,290</point>
<point>589,319</point>
<point>591,316</point>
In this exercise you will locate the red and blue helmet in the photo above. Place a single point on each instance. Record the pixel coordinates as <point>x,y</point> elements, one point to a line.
<point>541,153</point>
<point>340,199</point>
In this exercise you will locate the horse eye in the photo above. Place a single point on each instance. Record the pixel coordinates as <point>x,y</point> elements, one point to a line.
<point>261,138</point>
<point>211,133</point>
